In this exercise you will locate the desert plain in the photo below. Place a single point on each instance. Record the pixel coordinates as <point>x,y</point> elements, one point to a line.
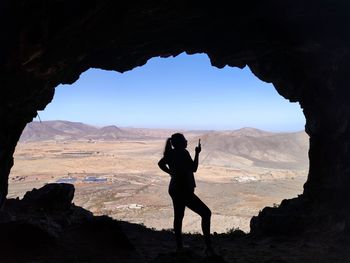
<point>240,173</point>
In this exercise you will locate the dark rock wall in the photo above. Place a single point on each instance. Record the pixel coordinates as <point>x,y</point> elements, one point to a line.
<point>302,47</point>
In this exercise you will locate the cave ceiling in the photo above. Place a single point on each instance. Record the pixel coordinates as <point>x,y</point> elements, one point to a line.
<point>301,47</point>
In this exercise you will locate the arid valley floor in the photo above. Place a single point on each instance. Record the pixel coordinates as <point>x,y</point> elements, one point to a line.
<point>121,178</point>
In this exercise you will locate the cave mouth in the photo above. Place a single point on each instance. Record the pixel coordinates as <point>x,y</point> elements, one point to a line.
<point>184,92</point>
<point>273,171</point>
<point>301,48</point>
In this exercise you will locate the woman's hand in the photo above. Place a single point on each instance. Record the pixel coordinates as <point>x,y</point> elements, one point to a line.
<point>196,157</point>
<point>199,147</point>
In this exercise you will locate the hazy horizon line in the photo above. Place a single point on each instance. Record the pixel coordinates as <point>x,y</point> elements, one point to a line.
<point>174,128</point>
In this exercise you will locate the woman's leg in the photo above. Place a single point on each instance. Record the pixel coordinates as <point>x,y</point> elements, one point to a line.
<point>197,206</point>
<point>179,212</point>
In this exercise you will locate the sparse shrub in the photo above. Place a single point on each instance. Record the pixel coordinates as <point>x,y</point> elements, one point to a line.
<point>235,232</point>
<point>168,230</point>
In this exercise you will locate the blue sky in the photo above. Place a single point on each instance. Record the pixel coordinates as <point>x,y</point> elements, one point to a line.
<point>184,92</point>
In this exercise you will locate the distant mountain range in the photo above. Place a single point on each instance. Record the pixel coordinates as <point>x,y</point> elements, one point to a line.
<point>247,146</point>
<point>260,148</point>
<point>68,131</point>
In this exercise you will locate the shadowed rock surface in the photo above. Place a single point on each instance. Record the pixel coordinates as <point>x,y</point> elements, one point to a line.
<point>46,227</point>
<point>31,232</point>
<point>302,47</point>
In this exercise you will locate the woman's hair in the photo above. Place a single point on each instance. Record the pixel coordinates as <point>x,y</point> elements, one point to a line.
<point>177,139</point>
<point>168,147</point>
<point>174,141</point>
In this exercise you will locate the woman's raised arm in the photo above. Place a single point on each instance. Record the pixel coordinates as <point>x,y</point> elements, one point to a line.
<point>196,157</point>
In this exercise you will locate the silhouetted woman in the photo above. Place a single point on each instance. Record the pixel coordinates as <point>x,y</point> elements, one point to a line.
<point>178,163</point>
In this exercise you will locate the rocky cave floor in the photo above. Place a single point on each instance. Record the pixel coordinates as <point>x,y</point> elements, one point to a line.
<point>46,227</point>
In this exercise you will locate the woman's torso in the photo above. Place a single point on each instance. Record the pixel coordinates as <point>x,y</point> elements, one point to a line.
<point>181,165</point>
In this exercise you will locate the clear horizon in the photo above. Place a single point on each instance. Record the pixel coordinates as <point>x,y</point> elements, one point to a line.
<point>184,92</point>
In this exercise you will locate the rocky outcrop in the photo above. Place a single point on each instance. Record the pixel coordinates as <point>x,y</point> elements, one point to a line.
<point>51,197</point>
<point>299,46</point>
<point>46,227</point>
